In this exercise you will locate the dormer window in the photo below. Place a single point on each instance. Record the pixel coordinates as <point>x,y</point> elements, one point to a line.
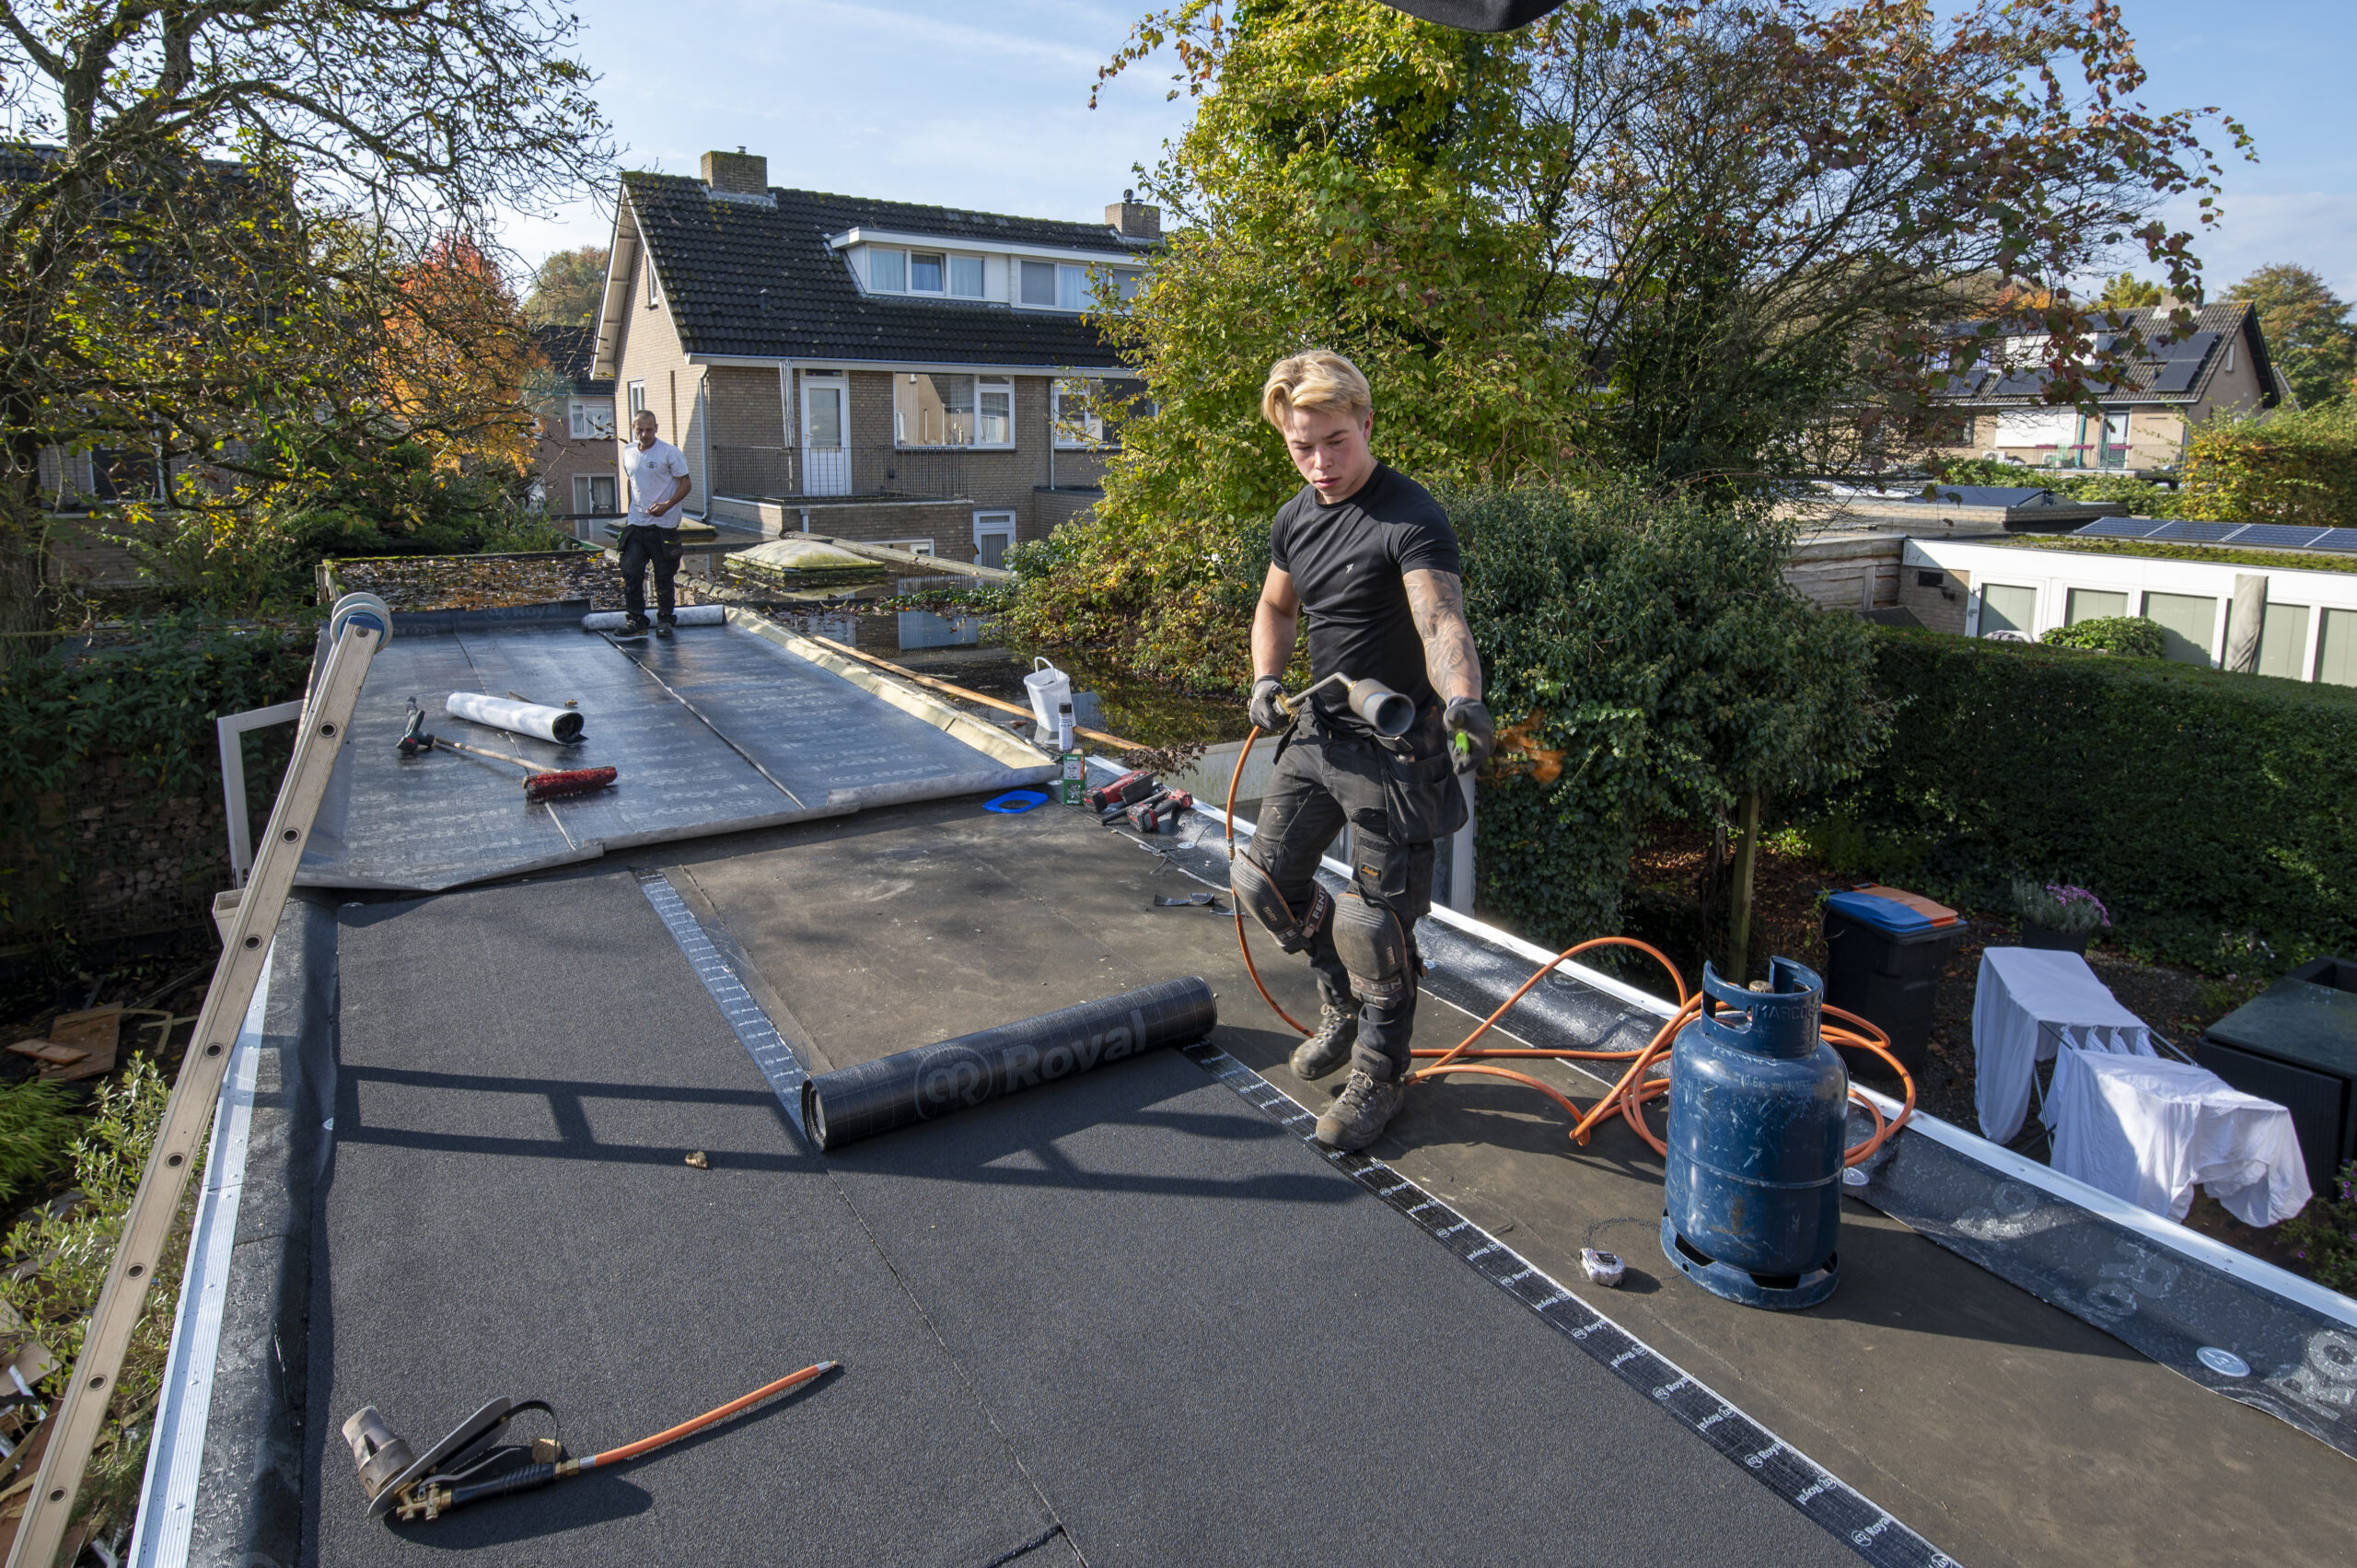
<point>1051,285</point>
<point>891,269</point>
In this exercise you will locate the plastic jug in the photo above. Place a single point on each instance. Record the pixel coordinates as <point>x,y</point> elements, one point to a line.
<point>1051,689</point>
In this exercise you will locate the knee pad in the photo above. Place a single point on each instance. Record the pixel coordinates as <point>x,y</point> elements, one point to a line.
<point>1257,895</point>
<point>1368,940</point>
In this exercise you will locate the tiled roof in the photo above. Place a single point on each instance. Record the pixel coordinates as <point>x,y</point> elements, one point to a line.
<point>2176,367</point>
<point>715,258</point>
<point>569,351</point>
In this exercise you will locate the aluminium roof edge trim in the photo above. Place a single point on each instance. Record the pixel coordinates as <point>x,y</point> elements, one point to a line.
<point>184,1403</point>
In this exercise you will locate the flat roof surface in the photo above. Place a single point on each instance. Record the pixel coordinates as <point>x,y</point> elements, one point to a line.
<point>1122,1310</point>
<point>716,729</point>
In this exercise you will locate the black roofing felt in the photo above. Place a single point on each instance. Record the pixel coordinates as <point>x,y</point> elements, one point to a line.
<point>2174,367</point>
<point>743,277</point>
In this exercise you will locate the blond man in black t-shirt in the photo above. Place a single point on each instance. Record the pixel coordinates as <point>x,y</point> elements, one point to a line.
<point>1373,559</point>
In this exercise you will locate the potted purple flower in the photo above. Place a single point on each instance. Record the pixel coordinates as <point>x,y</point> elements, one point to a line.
<point>2059,916</point>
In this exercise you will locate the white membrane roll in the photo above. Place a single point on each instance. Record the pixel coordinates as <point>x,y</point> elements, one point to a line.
<point>525,718</point>
<point>689,615</point>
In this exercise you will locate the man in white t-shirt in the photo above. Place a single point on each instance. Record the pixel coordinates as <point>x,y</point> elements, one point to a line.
<point>656,473</point>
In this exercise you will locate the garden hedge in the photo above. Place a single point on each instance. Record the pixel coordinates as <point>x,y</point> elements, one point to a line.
<point>2215,814</point>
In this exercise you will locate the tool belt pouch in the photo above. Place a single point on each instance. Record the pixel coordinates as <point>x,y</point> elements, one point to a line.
<point>1419,790</point>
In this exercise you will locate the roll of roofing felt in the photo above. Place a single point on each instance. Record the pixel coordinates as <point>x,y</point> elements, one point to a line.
<point>525,718</point>
<point>688,615</point>
<point>931,1081</point>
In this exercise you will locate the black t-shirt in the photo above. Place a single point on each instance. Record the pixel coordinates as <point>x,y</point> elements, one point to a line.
<point>1346,561</point>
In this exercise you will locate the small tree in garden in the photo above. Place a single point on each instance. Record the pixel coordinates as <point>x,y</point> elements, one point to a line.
<point>1646,659</point>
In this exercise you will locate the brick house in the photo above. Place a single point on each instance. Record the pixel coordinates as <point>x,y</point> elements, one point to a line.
<point>2184,378</point>
<point>575,456</point>
<point>875,370</point>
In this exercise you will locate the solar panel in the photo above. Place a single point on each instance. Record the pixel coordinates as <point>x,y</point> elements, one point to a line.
<point>2177,375</point>
<point>2336,539</point>
<point>2196,348</point>
<point>2121,527</point>
<point>2196,533</point>
<point>2281,536</point>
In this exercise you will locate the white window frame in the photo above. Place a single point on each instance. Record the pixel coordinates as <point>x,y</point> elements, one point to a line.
<point>1980,588</point>
<point>913,546</point>
<point>1093,436</point>
<point>583,418</point>
<point>653,289</point>
<point>982,277</point>
<point>584,494</point>
<point>942,258</point>
<point>638,400</point>
<point>876,253</point>
<point>994,522</point>
<point>982,384</point>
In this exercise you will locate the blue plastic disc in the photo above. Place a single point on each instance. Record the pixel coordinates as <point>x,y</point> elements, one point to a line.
<point>1016,800</point>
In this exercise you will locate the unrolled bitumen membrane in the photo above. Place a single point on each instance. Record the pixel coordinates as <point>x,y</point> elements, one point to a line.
<point>934,1080</point>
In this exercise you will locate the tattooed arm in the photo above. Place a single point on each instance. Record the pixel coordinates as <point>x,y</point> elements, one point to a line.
<point>1437,600</point>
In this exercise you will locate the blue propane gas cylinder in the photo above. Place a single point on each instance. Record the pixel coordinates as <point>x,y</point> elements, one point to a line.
<point>1756,1105</point>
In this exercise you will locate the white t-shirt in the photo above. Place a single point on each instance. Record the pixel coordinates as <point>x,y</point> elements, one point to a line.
<point>652,473</point>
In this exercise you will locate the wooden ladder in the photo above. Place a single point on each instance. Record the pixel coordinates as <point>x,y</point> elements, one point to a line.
<point>360,625</point>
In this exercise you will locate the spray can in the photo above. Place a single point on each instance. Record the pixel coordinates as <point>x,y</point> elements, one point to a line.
<point>1074,767</point>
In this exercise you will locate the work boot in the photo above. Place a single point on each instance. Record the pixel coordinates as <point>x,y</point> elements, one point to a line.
<point>1360,1112</point>
<point>662,626</point>
<point>1337,1030</point>
<point>634,626</point>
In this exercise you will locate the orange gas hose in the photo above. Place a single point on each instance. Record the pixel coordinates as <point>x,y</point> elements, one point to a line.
<point>1634,1090</point>
<point>673,1433</point>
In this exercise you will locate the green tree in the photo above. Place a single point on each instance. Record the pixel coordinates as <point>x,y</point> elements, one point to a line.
<point>1710,243</point>
<point>567,288</point>
<point>2128,292</point>
<point>2309,335</point>
<point>1650,661</point>
<point>214,315</point>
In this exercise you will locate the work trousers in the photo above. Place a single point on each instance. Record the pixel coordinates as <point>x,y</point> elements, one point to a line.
<point>1395,804</point>
<point>642,544</point>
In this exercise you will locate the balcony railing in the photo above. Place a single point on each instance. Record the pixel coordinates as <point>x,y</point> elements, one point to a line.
<point>787,473</point>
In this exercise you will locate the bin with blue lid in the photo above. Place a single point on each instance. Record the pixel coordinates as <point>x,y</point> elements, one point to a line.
<point>1887,947</point>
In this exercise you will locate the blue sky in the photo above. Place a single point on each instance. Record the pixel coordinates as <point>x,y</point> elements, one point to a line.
<point>987,107</point>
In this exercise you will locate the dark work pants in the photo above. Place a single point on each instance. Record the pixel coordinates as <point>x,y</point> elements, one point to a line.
<point>1394,809</point>
<point>642,544</point>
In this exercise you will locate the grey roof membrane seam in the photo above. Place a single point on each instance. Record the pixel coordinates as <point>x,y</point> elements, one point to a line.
<point>752,1026</point>
<point>1871,1530</point>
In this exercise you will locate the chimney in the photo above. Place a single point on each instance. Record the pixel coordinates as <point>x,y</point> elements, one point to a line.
<point>737,173</point>
<point>1132,219</point>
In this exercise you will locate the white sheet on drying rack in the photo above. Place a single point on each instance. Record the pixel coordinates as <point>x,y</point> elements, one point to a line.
<point>2150,1131</point>
<point>2029,1003</point>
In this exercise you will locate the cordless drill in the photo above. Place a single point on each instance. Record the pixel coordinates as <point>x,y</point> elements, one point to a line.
<point>1148,815</point>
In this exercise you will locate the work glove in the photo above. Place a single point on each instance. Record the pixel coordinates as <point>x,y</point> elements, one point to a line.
<point>1267,711</point>
<point>1472,735</point>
